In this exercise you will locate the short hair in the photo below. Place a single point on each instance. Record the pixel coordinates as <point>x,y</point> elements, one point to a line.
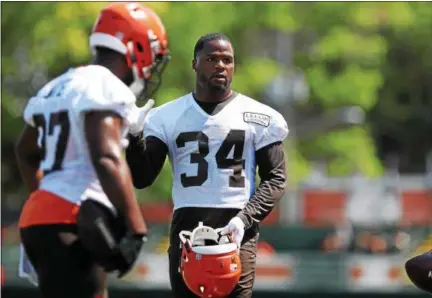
<point>206,38</point>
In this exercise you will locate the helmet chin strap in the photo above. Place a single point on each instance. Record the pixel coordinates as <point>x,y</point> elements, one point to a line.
<point>138,84</point>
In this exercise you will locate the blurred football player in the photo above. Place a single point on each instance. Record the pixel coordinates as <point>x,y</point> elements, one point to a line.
<point>419,271</point>
<point>82,217</point>
<point>215,138</point>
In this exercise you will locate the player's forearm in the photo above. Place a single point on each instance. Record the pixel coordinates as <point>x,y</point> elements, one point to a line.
<point>116,182</point>
<point>102,131</point>
<point>145,159</point>
<point>28,166</point>
<point>265,198</point>
<point>28,157</point>
<point>271,168</point>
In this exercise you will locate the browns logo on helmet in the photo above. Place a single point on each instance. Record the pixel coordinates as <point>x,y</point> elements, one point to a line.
<point>210,263</point>
<point>137,32</point>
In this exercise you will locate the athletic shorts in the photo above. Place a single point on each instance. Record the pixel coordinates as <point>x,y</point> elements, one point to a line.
<point>64,269</point>
<point>56,237</point>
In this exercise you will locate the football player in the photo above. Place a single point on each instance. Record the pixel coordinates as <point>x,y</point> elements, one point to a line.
<point>419,271</point>
<point>215,138</point>
<point>70,158</point>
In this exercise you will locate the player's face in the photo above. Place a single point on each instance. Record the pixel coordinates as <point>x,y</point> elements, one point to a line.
<point>128,77</point>
<point>215,65</point>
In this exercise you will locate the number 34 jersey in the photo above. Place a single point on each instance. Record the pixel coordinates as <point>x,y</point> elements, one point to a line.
<point>213,156</point>
<point>57,111</point>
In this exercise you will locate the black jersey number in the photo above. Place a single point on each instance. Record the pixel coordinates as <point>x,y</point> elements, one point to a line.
<point>56,141</point>
<point>235,139</point>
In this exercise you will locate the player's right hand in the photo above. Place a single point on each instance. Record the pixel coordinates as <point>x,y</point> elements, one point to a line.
<point>128,252</point>
<point>137,124</point>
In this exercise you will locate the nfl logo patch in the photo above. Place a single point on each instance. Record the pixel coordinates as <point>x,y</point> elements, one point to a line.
<point>198,257</point>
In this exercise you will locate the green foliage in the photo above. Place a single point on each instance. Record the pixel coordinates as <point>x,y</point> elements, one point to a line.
<point>346,62</point>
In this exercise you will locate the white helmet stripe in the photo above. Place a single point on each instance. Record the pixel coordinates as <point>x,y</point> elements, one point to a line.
<point>107,41</point>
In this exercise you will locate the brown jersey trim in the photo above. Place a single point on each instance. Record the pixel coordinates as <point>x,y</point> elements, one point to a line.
<point>212,108</point>
<point>272,171</point>
<point>145,159</point>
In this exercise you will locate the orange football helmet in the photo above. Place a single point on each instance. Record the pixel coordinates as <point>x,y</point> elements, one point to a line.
<point>210,263</point>
<point>137,32</point>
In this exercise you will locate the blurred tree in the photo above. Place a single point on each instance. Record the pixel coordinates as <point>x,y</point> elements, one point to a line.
<point>350,52</point>
<point>401,121</point>
<point>345,66</point>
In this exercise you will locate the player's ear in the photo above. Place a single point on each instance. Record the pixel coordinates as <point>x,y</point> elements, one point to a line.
<point>194,64</point>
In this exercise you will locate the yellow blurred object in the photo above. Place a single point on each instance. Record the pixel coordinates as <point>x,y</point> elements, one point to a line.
<point>162,246</point>
<point>425,246</point>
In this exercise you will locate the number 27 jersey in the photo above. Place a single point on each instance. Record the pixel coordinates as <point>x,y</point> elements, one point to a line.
<point>57,111</point>
<point>213,156</point>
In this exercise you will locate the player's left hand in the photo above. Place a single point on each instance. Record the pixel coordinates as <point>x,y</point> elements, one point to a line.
<point>137,124</point>
<point>235,228</point>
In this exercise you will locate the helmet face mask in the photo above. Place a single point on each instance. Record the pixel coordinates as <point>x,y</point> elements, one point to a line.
<point>210,263</point>
<point>153,83</point>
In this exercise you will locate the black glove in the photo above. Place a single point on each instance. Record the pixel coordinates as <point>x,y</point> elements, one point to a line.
<point>129,249</point>
<point>125,254</point>
<point>105,237</point>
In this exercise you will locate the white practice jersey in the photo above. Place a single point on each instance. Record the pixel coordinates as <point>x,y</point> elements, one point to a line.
<point>57,111</point>
<point>213,157</point>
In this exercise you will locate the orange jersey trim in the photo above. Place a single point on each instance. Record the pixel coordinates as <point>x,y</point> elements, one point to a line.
<point>44,207</point>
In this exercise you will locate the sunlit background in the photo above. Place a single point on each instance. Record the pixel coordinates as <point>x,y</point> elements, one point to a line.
<point>353,81</point>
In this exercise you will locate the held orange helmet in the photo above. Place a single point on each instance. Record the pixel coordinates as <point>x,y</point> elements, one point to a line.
<point>137,32</point>
<point>210,263</point>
